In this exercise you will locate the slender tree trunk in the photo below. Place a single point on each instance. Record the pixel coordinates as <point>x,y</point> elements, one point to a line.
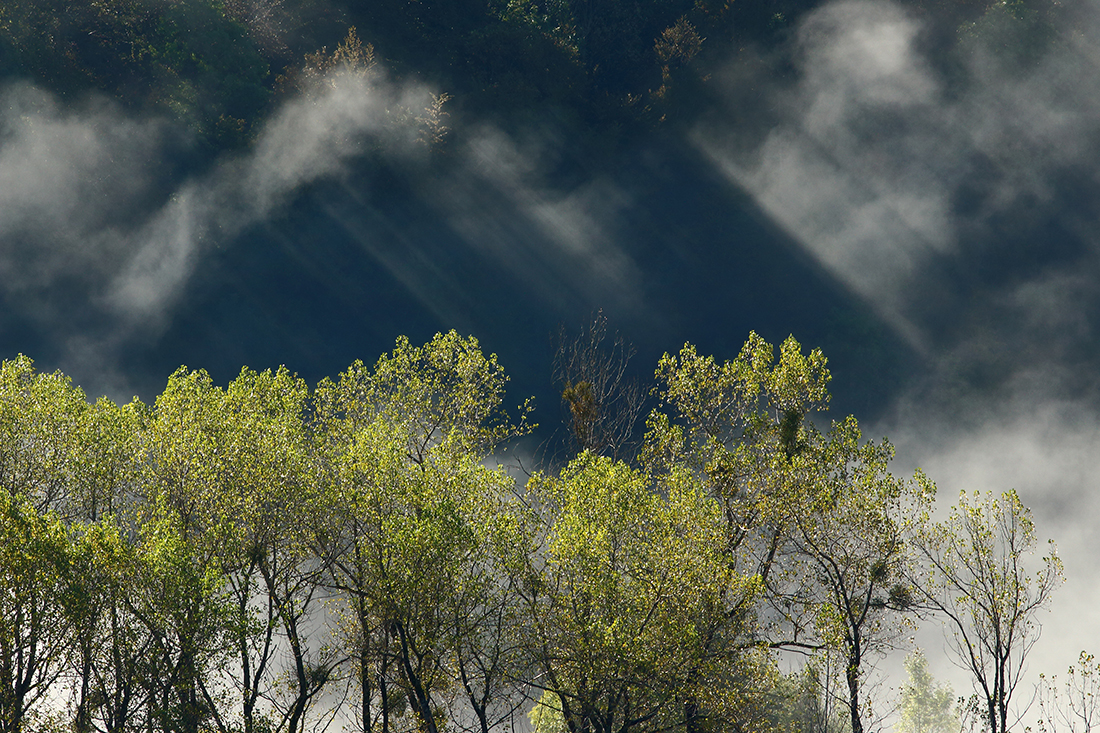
<point>852,674</point>
<point>83,722</point>
<point>384,697</point>
<point>304,683</point>
<point>422,700</point>
<point>187,684</point>
<point>691,716</point>
<point>365,687</point>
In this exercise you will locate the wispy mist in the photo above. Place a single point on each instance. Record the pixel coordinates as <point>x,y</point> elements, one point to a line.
<point>562,244</point>
<point>98,242</point>
<point>958,197</point>
<point>900,179</point>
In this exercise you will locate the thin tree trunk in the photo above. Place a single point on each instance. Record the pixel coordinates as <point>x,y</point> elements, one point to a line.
<point>852,673</point>
<point>421,697</point>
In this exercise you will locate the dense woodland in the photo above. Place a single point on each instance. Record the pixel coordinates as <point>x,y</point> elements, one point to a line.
<point>603,68</point>
<point>369,555</point>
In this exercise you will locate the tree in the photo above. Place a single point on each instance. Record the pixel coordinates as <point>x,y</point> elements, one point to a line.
<point>1074,706</point>
<point>817,516</point>
<point>806,701</point>
<point>982,586</point>
<point>604,403</point>
<point>627,605</point>
<point>36,625</point>
<point>181,595</point>
<point>846,557</point>
<point>492,663</point>
<point>736,426</point>
<point>266,494</point>
<point>110,645</point>
<point>40,420</point>
<point>411,542</point>
<point>926,707</point>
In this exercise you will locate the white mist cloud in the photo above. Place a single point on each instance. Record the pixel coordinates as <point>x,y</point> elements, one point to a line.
<point>309,138</point>
<point>75,213</point>
<point>855,171</point>
<point>68,182</point>
<point>881,169</point>
<point>561,244</point>
<point>972,198</point>
<point>85,198</point>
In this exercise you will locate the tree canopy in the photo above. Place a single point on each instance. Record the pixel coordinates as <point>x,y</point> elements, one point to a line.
<point>265,557</point>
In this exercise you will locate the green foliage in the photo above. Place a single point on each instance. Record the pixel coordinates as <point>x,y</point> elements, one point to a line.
<point>804,701</point>
<point>546,715</point>
<point>420,528</point>
<point>253,557</point>
<point>446,391</point>
<point>37,609</point>
<point>981,583</point>
<point>817,515</point>
<point>628,607</point>
<point>40,415</point>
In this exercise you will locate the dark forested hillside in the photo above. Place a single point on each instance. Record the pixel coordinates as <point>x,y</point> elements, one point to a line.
<point>215,67</point>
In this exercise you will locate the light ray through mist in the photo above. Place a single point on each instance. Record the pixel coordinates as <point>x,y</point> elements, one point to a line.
<point>963,210</point>
<point>75,208</point>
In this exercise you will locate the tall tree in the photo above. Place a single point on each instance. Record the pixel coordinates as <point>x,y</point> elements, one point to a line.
<point>846,561</point>
<point>817,516</point>
<point>735,426</point>
<point>36,625</point>
<point>628,604</point>
<point>990,598</point>
<point>183,600</point>
<point>110,645</point>
<point>404,445</point>
<point>266,493</point>
<point>39,419</point>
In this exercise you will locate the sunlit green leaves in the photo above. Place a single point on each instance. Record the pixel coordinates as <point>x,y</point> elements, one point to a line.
<point>37,609</point>
<point>163,567</point>
<point>39,418</point>
<point>630,601</point>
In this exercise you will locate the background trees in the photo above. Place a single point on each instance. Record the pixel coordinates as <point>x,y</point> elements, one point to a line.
<point>604,402</point>
<point>926,707</point>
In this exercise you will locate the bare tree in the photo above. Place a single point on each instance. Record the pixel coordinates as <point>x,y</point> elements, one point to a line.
<point>1073,706</point>
<point>989,598</point>
<point>604,403</point>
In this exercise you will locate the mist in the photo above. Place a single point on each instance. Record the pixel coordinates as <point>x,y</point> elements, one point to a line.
<point>102,228</point>
<point>957,197</point>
